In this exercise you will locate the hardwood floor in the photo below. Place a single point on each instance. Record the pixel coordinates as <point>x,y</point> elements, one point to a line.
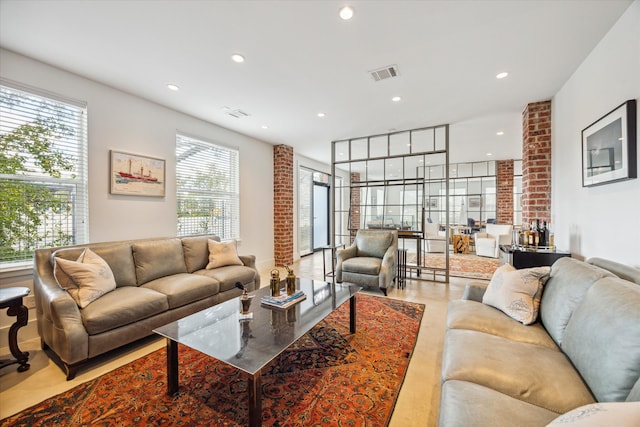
<point>417,403</point>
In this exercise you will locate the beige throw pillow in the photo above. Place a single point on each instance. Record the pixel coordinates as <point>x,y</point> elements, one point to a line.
<point>222,253</point>
<point>517,292</point>
<point>86,279</point>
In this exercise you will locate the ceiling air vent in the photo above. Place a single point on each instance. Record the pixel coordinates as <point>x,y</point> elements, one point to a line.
<point>238,114</point>
<point>384,73</point>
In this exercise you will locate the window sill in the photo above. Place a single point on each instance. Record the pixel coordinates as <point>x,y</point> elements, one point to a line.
<point>16,269</point>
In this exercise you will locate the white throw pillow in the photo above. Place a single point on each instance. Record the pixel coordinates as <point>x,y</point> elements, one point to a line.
<point>222,253</point>
<point>606,414</point>
<point>517,292</point>
<point>86,279</point>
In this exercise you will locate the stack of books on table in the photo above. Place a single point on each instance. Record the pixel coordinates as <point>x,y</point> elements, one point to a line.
<point>284,300</point>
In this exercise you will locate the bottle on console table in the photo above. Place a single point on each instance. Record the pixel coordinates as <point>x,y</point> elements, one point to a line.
<point>544,239</point>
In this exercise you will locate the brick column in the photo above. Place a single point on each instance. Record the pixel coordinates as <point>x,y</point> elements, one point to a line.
<point>283,204</point>
<point>536,162</point>
<point>354,203</point>
<point>504,197</point>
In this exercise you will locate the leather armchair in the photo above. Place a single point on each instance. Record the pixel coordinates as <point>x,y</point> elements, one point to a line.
<point>371,261</point>
<point>488,243</point>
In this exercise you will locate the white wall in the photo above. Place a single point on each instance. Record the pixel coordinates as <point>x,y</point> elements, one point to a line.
<point>600,221</point>
<point>124,122</point>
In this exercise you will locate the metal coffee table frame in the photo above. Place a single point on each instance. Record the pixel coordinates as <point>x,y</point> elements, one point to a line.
<point>250,344</point>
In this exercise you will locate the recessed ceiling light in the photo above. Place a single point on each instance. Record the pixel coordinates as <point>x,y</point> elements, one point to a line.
<point>346,13</point>
<point>236,57</point>
<point>173,87</point>
<point>264,127</point>
<point>396,99</point>
<point>502,75</point>
<point>321,114</point>
<point>500,133</point>
<point>489,154</point>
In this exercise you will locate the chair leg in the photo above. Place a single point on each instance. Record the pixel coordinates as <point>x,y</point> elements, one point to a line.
<point>384,291</point>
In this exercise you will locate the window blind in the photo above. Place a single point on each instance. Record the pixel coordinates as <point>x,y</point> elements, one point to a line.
<point>43,173</point>
<point>208,190</point>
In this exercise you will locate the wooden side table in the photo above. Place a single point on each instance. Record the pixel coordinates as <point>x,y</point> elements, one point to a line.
<point>11,298</point>
<point>461,243</point>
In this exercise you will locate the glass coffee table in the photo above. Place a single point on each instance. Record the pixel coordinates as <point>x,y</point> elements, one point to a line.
<point>221,332</point>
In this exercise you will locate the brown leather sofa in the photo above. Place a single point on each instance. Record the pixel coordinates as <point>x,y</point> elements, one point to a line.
<point>157,281</point>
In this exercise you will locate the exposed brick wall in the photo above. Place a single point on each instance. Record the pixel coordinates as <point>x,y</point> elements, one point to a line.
<point>354,202</point>
<point>283,204</point>
<point>536,162</point>
<point>505,191</point>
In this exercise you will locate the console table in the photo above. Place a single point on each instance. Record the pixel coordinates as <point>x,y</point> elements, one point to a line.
<point>11,298</point>
<point>527,258</point>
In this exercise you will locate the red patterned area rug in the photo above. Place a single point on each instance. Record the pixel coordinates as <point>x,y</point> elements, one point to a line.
<point>329,377</point>
<point>462,265</point>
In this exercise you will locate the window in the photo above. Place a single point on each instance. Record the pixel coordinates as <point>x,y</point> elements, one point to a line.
<point>43,173</point>
<point>207,181</point>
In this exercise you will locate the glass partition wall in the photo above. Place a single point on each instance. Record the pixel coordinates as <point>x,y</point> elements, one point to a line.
<point>388,188</point>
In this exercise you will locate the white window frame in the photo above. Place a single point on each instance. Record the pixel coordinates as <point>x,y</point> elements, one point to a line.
<point>67,222</point>
<point>207,187</point>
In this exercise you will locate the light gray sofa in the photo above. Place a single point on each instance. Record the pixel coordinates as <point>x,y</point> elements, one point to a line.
<point>370,261</point>
<point>585,348</point>
<point>157,281</point>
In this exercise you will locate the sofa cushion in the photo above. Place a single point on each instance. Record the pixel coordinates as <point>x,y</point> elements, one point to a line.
<point>570,279</point>
<point>465,404</point>
<point>603,338</point>
<point>517,293</point>
<point>531,373</point>
<point>86,279</point>
<point>122,306</point>
<point>182,289</point>
<point>373,243</point>
<point>222,254</point>
<point>158,258</point>
<point>618,414</point>
<point>362,265</point>
<point>120,259</point>
<point>196,251</point>
<point>229,275</point>
<point>475,316</point>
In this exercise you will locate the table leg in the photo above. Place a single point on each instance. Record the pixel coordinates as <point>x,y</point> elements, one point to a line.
<point>172,367</point>
<point>22,317</point>
<point>255,400</point>
<point>352,314</point>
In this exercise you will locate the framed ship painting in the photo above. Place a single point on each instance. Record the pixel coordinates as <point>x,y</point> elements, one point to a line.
<point>135,175</point>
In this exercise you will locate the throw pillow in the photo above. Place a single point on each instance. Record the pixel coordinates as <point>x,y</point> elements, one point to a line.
<point>619,414</point>
<point>222,253</point>
<point>517,293</point>
<point>86,279</point>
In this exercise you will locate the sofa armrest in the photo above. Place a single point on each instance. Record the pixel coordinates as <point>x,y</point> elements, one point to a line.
<point>250,261</point>
<point>389,267</point>
<point>341,256</point>
<point>474,291</point>
<point>59,320</point>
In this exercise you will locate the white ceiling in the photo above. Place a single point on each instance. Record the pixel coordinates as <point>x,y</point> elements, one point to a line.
<point>301,59</point>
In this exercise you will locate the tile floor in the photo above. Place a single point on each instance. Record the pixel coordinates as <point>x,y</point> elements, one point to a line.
<point>419,397</point>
